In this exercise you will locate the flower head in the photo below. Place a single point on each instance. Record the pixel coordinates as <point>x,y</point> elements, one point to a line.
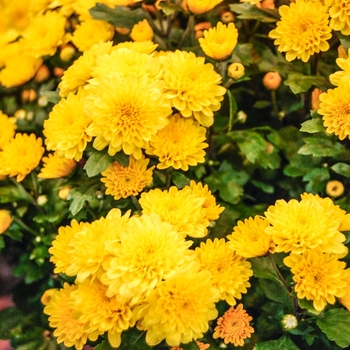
<point>181,208</point>
<point>200,6</point>
<point>147,46</point>
<point>233,327</point>
<point>307,224</point>
<point>192,86</point>
<point>5,220</point>
<point>336,111</point>
<point>344,73</point>
<point>21,155</point>
<point>345,299</point>
<point>66,128</point>
<point>56,167</point>
<point>142,31</point>
<point>125,113</point>
<point>98,313</point>
<point>230,272</point>
<point>201,346</point>
<point>178,309</point>
<point>302,30</point>
<point>339,14</point>
<point>8,129</point>
<point>219,42</point>
<point>249,239</point>
<point>179,145</point>
<point>318,277</point>
<point>150,251</point>
<point>125,181</point>
<point>91,32</point>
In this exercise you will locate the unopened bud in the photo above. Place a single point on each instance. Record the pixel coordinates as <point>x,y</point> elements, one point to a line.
<point>67,52</point>
<point>42,101</point>
<point>42,200</point>
<point>235,70</point>
<point>242,116</point>
<point>28,95</point>
<point>272,80</point>
<point>334,188</point>
<point>289,322</point>
<point>64,192</point>
<point>227,17</point>
<point>5,220</point>
<point>42,74</point>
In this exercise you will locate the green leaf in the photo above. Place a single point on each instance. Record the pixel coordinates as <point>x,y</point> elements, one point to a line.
<point>335,323</point>
<point>80,195</point>
<point>262,268</point>
<point>247,11</point>
<point>342,169</point>
<point>308,305</point>
<point>190,346</point>
<point>180,180</point>
<point>262,104</point>
<point>169,9</point>
<point>316,179</point>
<point>312,126</point>
<point>283,343</point>
<point>9,318</point>
<point>120,16</point>
<point>263,186</point>
<point>2,244</point>
<point>51,96</point>
<point>104,346</point>
<point>321,147</point>
<point>300,83</point>
<point>11,193</point>
<point>98,162</point>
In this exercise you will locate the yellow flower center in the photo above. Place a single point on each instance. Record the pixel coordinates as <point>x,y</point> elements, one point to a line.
<point>129,115</point>
<point>343,111</point>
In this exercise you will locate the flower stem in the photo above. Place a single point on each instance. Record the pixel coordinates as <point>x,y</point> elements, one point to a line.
<point>136,203</point>
<point>284,282</point>
<point>188,30</point>
<point>24,226</point>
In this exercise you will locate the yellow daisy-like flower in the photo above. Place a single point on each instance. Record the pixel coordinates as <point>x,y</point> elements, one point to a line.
<point>98,313</point>
<point>181,208</point>
<point>50,28</point>
<point>127,62</point>
<point>249,238</point>
<point>200,6</point>
<point>345,299</point>
<point>142,31</point>
<point>318,277</point>
<point>20,156</point>
<point>335,109</point>
<point>192,86</point>
<point>150,251</point>
<point>92,246</point>
<point>179,145</point>
<point>233,327</point>
<point>147,46</point>
<point>230,272</point>
<point>178,309</point>
<point>212,210</point>
<point>9,127</point>
<point>60,250</point>
<point>339,14</point>
<point>308,224</point>
<point>91,32</point>
<point>125,181</point>
<point>302,30</point>
<point>66,128</point>
<point>68,330</point>
<point>125,113</point>
<point>344,73</point>
<point>56,167</point>
<point>219,42</point>
<point>5,220</point>
<point>80,71</point>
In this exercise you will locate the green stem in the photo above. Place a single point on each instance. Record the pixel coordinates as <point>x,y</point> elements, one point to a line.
<point>284,282</point>
<point>24,226</point>
<point>230,120</point>
<point>168,178</point>
<point>188,30</point>
<point>274,102</point>
<point>136,203</point>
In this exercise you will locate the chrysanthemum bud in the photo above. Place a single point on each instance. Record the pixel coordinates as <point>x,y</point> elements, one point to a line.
<point>341,52</point>
<point>58,72</point>
<point>42,101</point>
<point>122,30</point>
<point>227,17</point>
<point>5,220</point>
<point>28,95</point>
<point>20,114</point>
<point>289,322</point>
<point>315,98</point>
<point>272,80</point>
<point>142,31</point>
<point>235,70</point>
<point>67,52</point>
<point>64,192</point>
<point>334,188</point>
<point>268,4</point>
<point>42,74</point>
<point>42,200</point>
<point>242,116</point>
<point>45,298</point>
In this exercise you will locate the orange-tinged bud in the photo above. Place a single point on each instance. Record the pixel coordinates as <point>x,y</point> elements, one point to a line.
<point>235,70</point>
<point>272,80</point>
<point>58,72</point>
<point>28,95</point>
<point>67,52</point>
<point>334,188</point>
<point>42,74</point>
<point>5,220</point>
<point>227,17</point>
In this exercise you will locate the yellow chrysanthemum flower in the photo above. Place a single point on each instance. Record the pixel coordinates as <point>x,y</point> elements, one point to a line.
<point>233,327</point>
<point>125,181</point>
<point>5,220</point>
<point>8,126</point>
<point>302,30</point>
<point>335,110</point>
<point>98,313</point>
<point>212,210</point>
<point>50,28</point>
<point>178,309</point>
<point>318,277</point>
<point>308,224</point>
<point>147,47</point>
<point>249,238</point>
<point>142,31</point>
<point>125,112</point>
<point>229,272</point>
<point>192,86</point>
<point>200,6</point>
<point>68,330</point>
<point>55,167</point>
<point>150,251</point>
<point>345,299</point>
<point>80,71</point>
<point>127,62</point>
<point>179,145</point>
<point>92,246</point>
<point>181,208</point>
<point>60,250</point>
<point>339,14</point>
<point>344,74</point>
<point>66,128</point>
<point>91,32</point>
<point>219,42</point>
<point>20,156</point>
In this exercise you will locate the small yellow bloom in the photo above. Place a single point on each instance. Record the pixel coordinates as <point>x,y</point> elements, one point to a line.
<point>67,52</point>
<point>142,31</point>
<point>334,188</point>
<point>64,192</point>
<point>219,42</point>
<point>8,128</point>
<point>200,6</point>
<point>45,298</point>
<point>56,167</point>
<point>5,220</point>
<point>339,14</point>
<point>235,70</point>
